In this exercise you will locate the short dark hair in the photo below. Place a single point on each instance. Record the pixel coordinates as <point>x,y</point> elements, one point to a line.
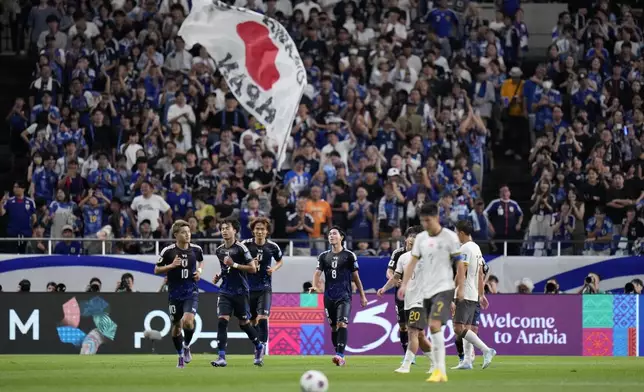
<point>465,226</point>
<point>493,278</point>
<point>413,230</point>
<point>638,281</point>
<point>429,209</point>
<point>231,222</point>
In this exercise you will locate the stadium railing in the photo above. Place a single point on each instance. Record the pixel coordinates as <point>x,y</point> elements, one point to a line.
<point>97,246</point>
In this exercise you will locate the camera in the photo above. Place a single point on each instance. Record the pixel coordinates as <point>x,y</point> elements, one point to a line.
<point>95,287</point>
<point>589,279</point>
<point>588,285</point>
<point>629,288</point>
<point>124,286</point>
<point>551,288</point>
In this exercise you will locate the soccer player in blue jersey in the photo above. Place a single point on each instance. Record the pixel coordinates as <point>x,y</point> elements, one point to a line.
<point>182,264</point>
<point>340,268</point>
<point>236,262</point>
<point>265,252</point>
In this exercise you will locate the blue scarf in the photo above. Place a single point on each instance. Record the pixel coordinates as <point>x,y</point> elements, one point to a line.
<point>483,89</point>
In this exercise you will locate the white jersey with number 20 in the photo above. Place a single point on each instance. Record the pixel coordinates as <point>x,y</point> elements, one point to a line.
<point>415,293</point>
<point>473,258</point>
<point>436,253</point>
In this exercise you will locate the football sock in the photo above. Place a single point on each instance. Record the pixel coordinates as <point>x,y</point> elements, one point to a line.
<point>459,347</point>
<point>404,340</point>
<point>222,334</point>
<point>475,340</point>
<point>262,329</point>
<point>178,343</point>
<point>187,334</point>
<point>468,351</point>
<point>334,338</point>
<point>409,358</point>
<point>438,347</point>
<point>342,340</point>
<point>251,332</point>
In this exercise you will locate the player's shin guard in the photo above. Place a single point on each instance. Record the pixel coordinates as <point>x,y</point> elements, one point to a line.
<point>404,340</point>
<point>459,348</point>
<point>178,343</point>
<point>438,348</point>
<point>262,329</point>
<point>251,332</point>
<point>334,338</point>
<point>187,334</point>
<point>222,335</point>
<point>342,340</point>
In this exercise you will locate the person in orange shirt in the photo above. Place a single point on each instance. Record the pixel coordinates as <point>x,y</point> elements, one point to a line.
<point>515,128</point>
<point>320,210</point>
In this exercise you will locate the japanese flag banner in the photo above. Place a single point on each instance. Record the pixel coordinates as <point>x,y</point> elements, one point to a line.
<point>257,58</point>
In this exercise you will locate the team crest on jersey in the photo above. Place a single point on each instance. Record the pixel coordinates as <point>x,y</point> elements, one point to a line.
<point>511,209</point>
<point>182,201</point>
<point>27,206</point>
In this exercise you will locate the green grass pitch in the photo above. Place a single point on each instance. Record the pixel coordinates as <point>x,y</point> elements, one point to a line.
<point>157,373</point>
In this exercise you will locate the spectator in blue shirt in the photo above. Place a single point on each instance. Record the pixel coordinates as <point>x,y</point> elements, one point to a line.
<point>103,178</point>
<point>22,215</point>
<point>563,226</point>
<point>179,199</point>
<point>599,233</point>
<point>442,20</point>
<point>544,101</point>
<point>93,211</point>
<point>68,247</point>
<point>44,180</point>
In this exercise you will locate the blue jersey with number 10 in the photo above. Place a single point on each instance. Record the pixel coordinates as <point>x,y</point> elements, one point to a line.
<point>181,282</point>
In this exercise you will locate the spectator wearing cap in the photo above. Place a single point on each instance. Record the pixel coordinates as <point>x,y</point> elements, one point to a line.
<point>586,98</point>
<point>255,189</point>
<point>68,246</point>
<point>179,200</point>
<point>150,206</point>
<point>390,208</point>
<point>103,178</point>
<point>514,104</point>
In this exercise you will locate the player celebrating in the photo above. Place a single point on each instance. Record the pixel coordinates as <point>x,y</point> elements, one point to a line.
<point>401,316</point>
<point>181,262</point>
<point>264,251</point>
<point>437,251</point>
<point>469,290</point>
<point>416,318</point>
<point>340,267</point>
<point>236,262</point>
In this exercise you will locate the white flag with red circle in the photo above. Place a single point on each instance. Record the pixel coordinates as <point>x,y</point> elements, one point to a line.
<point>257,58</point>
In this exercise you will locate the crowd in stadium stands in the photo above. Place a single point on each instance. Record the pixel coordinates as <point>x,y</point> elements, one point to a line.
<point>128,129</point>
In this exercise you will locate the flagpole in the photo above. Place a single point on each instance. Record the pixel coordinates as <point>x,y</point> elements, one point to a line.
<point>282,150</point>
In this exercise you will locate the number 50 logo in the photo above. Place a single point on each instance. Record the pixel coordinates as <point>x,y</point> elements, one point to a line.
<point>377,330</point>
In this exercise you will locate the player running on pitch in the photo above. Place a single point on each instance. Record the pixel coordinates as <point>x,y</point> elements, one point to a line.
<point>181,262</point>
<point>340,268</point>
<point>401,315</point>
<point>265,252</point>
<point>416,318</point>
<point>437,250</point>
<point>469,291</point>
<point>236,262</point>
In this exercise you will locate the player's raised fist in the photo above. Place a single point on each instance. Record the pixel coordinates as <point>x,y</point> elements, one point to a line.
<point>177,261</point>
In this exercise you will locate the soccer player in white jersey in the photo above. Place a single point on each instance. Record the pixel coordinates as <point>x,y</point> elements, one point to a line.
<point>416,315</point>
<point>437,251</point>
<point>469,291</point>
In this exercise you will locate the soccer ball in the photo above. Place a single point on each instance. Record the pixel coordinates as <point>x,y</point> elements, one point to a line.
<point>314,381</point>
